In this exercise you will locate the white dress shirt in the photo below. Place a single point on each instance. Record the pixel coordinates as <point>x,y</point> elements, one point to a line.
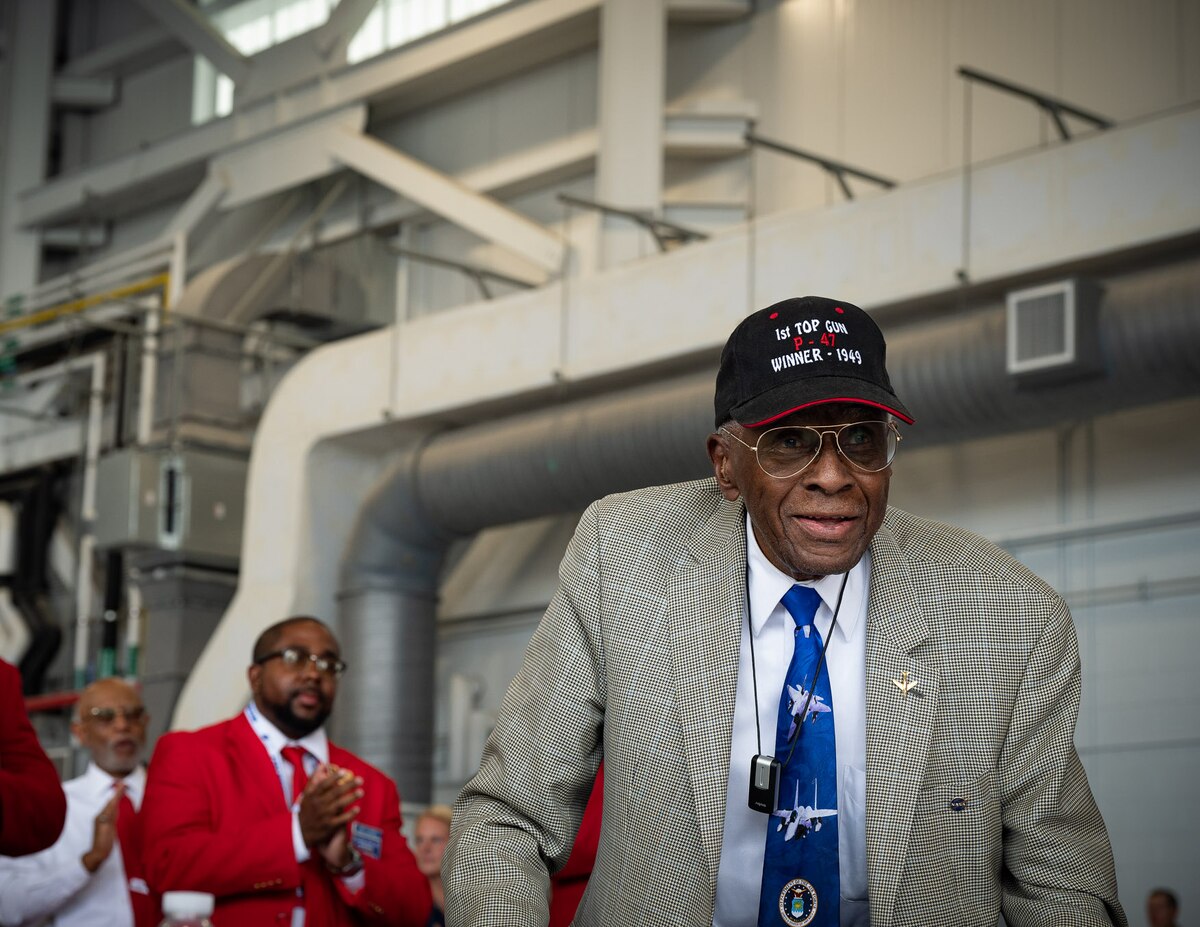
<point>739,879</point>
<point>316,753</point>
<point>54,883</point>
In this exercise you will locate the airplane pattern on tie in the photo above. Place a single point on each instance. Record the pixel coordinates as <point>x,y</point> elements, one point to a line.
<point>797,697</point>
<point>802,818</point>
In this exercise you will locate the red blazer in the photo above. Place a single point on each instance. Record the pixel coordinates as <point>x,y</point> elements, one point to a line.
<point>215,820</point>
<point>569,883</point>
<point>32,804</point>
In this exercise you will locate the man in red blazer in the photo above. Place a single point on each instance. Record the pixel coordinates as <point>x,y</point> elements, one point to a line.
<point>32,804</point>
<point>263,812</point>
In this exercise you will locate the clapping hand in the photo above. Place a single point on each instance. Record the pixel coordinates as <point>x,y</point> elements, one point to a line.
<point>104,832</point>
<point>327,805</point>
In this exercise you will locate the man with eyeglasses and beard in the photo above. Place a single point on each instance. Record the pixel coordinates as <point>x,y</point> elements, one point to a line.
<point>812,709</point>
<point>92,874</point>
<point>265,813</point>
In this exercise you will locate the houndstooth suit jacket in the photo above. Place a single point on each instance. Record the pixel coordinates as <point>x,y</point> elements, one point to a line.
<point>636,660</point>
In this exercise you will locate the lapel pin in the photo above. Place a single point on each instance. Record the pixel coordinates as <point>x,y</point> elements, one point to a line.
<point>904,684</point>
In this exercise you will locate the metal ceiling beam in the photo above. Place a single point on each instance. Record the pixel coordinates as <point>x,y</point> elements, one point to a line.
<point>445,196</point>
<point>538,168</point>
<point>200,206</point>
<point>257,168</point>
<point>203,202</point>
<point>509,40</point>
<point>305,56</point>
<point>193,28</point>
<point>332,38</point>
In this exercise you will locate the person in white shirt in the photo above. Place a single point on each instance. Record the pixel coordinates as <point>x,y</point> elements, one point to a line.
<point>82,880</point>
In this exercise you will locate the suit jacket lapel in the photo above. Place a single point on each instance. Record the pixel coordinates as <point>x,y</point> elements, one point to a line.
<point>260,781</point>
<point>705,605</point>
<point>899,725</point>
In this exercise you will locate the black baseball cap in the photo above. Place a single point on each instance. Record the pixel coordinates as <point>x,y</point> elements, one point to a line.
<point>803,352</point>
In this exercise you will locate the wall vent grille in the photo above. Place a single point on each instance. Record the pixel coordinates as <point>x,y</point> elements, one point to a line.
<point>1052,331</point>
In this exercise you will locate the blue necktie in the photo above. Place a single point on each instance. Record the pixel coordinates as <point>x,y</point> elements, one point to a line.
<point>800,884</point>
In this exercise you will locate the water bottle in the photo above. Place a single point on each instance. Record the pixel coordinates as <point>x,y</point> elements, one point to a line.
<point>187,909</point>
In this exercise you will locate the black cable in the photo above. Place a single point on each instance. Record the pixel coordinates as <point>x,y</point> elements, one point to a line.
<point>816,674</point>
<point>753,670</point>
<point>820,663</point>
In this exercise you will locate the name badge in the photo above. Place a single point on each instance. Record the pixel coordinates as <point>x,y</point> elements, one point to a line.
<point>366,839</point>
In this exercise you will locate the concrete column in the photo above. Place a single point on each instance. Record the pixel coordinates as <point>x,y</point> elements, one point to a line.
<point>633,56</point>
<point>25,97</point>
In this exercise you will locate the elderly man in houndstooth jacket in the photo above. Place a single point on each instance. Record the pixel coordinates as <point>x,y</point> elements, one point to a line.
<point>954,677</point>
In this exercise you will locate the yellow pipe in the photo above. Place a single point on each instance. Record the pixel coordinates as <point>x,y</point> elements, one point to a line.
<point>158,281</point>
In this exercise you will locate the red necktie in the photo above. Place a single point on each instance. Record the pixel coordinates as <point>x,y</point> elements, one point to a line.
<point>129,836</point>
<point>295,756</point>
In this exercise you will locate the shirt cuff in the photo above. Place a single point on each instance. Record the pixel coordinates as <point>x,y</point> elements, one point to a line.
<point>298,845</point>
<point>355,883</point>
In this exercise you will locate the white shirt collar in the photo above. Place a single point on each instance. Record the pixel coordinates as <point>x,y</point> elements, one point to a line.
<point>316,743</point>
<point>768,584</point>
<point>100,783</point>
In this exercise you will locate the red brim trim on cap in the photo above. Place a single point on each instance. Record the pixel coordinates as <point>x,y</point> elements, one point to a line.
<point>821,402</point>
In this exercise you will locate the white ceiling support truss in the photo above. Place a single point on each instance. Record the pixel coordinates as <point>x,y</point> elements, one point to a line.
<point>191,27</point>
<point>702,131</point>
<point>539,167</point>
<point>253,171</point>
<point>332,39</point>
<point>256,168</point>
<point>203,202</point>
<point>445,196</point>
<point>335,141</point>
<point>502,43</point>
<point>306,56</point>
<point>199,207</point>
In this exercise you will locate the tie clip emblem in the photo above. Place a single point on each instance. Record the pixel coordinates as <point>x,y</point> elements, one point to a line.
<point>904,684</point>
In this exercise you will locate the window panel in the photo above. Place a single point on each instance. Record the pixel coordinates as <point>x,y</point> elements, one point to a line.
<point>252,37</point>
<point>255,25</point>
<point>223,102</point>
<point>370,40</point>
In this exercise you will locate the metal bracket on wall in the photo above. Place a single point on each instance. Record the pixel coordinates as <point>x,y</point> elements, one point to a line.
<point>480,275</point>
<point>838,169</point>
<point>1052,106</point>
<point>665,233</point>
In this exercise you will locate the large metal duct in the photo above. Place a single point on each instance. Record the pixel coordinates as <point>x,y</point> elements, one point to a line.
<point>950,373</point>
